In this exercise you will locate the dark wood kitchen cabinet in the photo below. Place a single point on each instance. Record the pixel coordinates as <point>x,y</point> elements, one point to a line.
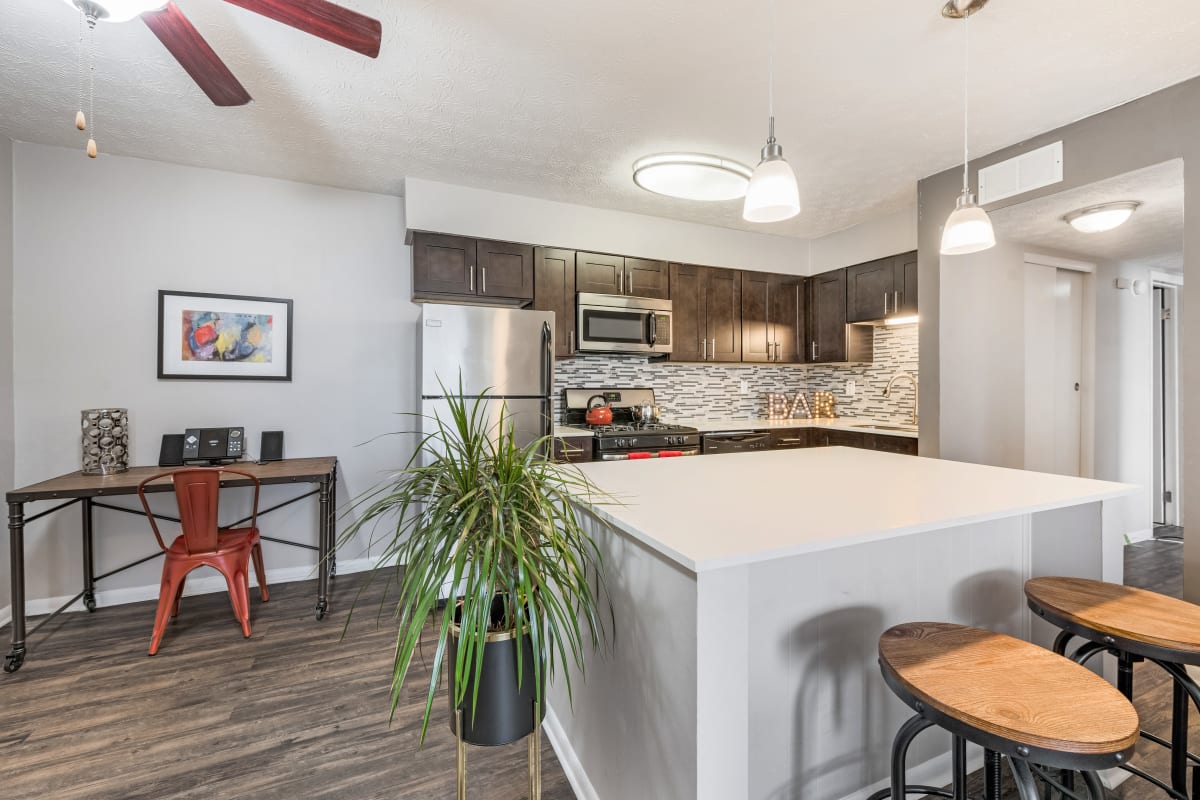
<point>790,438</point>
<point>554,290</point>
<point>574,449</point>
<point>607,274</point>
<point>706,313</point>
<point>829,338</point>
<point>830,437</point>
<point>883,288</point>
<point>772,318</point>
<point>904,445</point>
<point>449,267</point>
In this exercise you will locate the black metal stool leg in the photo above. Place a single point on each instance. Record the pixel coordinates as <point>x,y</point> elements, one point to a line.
<point>960,768</point>
<point>899,784</point>
<point>991,775</point>
<point>1094,786</point>
<point>1125,675</point>
<point>1026,785</point>
<point>1060,642</point>
<point>1179,738</point>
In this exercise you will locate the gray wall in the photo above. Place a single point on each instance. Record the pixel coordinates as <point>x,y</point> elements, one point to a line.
<point>1154,129</point>
<point>6,351</point>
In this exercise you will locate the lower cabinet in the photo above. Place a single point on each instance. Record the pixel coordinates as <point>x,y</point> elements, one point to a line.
<point>904,445</point>
<point>790,438</point>
<point>822,437</point>
<point>573,449</point>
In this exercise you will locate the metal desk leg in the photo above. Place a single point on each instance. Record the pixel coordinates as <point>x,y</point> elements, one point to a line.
<point>323,549</point>
<point>16,549</point>
<point>89,562</point>
<point>332,530</point>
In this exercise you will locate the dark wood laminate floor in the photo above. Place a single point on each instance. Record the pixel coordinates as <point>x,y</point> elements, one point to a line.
<point>295,713</point>
<point>290,713</point>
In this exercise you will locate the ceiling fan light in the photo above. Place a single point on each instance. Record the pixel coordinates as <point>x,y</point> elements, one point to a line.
<point>692,176</point>
<point>1104,217</point>
<point>968,229</point>
<point>116,10</point>
<point>773,195</point>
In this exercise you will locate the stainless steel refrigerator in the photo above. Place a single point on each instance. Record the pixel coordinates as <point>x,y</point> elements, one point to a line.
<point>506,353</point>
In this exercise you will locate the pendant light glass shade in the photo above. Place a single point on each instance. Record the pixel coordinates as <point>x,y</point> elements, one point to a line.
<point>116,10</point>
<point>773,195</point>
<point>968,229</point>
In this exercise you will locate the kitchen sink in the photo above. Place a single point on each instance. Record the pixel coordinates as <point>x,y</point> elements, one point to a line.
<point>878,427</point>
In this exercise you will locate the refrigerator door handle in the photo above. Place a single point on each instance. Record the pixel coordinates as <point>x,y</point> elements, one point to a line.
<point>547,378</point>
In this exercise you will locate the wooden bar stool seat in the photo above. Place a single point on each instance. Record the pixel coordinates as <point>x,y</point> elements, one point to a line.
<point>1008,696</point>
<point>1133,625</point>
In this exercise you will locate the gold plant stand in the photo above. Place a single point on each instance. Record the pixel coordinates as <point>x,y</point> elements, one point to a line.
<point>534,741</point>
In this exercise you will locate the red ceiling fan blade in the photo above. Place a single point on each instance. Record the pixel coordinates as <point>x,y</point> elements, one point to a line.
<point>321,18</point>
<point>196,57</point>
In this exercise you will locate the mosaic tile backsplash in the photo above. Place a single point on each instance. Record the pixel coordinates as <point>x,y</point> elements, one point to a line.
<point>739,390</point>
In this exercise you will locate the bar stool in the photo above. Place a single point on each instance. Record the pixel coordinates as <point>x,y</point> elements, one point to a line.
<point>1133,625</point>
<point>1010,697</point>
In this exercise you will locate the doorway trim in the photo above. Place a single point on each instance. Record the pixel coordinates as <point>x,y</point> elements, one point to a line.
<point>1087,400</point>
<point>1173,457</point>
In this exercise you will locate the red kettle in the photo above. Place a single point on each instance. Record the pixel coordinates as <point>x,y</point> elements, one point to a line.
<point>599,414</point>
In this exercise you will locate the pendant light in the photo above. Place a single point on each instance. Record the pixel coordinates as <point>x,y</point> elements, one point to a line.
<point>773,195</point>
<point>968,229</point>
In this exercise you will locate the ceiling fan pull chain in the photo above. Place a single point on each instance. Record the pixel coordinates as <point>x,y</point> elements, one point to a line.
<point>91,145</point>
<point>80,121</point>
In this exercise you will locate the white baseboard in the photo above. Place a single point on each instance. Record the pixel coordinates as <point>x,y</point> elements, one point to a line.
<point>937,771</point>
<point>1139,536</point>
<point>568,758</point>
<point>202,584</point>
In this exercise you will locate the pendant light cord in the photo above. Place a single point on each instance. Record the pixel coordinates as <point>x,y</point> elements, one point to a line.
<point>79,63</point>
<point>966,96</point>
<point>771,76</point>
<point>92,78</point>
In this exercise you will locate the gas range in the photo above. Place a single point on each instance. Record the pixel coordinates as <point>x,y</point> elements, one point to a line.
<point>627,439</point>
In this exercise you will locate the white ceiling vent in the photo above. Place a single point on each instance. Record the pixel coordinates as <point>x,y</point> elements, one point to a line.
<point>1024,173</point>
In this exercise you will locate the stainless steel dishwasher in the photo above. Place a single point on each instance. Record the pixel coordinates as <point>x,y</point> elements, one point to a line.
<point>736,442</point>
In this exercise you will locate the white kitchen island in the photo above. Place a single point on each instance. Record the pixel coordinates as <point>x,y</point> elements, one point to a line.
<point>749,591</point>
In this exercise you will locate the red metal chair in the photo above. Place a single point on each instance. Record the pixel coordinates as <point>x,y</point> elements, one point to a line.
<point>202,544</point>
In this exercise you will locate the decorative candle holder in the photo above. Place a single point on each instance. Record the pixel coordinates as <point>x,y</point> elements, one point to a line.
<point>104,444</point>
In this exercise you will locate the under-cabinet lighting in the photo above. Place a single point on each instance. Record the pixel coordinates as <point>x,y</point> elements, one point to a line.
<point>909,320</point>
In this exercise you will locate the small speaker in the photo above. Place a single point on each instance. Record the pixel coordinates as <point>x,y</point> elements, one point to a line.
<point>270,447</point>
<point>170,454</point>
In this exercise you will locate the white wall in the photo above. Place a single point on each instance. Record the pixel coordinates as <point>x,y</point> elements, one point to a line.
<point>6,373</point>
<point>95,242</point>
<point>1125,391</point>
<point>876,238</point>
<point>447,208</point>
<point>983,357</point>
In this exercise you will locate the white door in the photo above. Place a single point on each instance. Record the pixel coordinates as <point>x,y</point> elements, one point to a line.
<point>1053,369</point>
<point>1068,370</point>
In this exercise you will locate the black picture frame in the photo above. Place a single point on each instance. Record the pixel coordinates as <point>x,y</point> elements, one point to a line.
<point>172,365</point>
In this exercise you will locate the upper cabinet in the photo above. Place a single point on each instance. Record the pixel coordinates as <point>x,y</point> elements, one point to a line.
<point>772,318</point>
<point>880,289</point>
<point>554,290</point>
<point>458,267</point>
<point>706,313</point>
<point>605,274</point>
<point>830,339</point>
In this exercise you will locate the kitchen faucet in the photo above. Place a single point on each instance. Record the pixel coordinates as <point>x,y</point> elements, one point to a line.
<point>916,392</point>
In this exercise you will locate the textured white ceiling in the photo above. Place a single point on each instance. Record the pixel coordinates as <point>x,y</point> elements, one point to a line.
<point>556,99</point>
<point>1153,236</point>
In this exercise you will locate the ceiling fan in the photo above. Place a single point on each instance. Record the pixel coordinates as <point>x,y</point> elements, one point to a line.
<point>321,18</point>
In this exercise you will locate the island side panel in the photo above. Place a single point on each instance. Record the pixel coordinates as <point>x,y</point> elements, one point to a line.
<point>723,655</point>
<point>822,719</point>
<point>632,727</point>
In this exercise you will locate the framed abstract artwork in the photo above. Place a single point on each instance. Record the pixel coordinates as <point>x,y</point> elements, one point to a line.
<point>224,337</point>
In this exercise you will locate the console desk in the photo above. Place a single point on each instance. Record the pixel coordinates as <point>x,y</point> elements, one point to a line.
<point>75,487</point>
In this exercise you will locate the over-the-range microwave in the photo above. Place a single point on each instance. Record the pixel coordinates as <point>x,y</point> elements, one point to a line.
<point>608,323</point>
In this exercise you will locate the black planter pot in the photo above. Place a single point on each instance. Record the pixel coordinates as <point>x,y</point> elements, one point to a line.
<point>505,711</point>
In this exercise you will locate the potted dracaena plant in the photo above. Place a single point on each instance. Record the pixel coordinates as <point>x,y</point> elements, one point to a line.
<point>487,527</point>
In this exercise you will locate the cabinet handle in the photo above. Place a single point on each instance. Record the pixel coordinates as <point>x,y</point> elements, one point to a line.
<point>814,351</point>
<point>571,342</point>
<point>885,304</point>
<point>704,349</point>
<point>483,280</point>
<point>472,268</point>
<point>714,349</point>
<point>896,302</point>
<point>791,441</point>
<point>777,357</point>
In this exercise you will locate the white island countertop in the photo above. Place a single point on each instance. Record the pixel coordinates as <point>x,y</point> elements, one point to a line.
<point>710,512</point>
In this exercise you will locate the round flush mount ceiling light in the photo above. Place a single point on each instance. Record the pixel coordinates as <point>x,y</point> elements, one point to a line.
<point>692,176</point>
<point>1104,217</point>
<point>116,10</point>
